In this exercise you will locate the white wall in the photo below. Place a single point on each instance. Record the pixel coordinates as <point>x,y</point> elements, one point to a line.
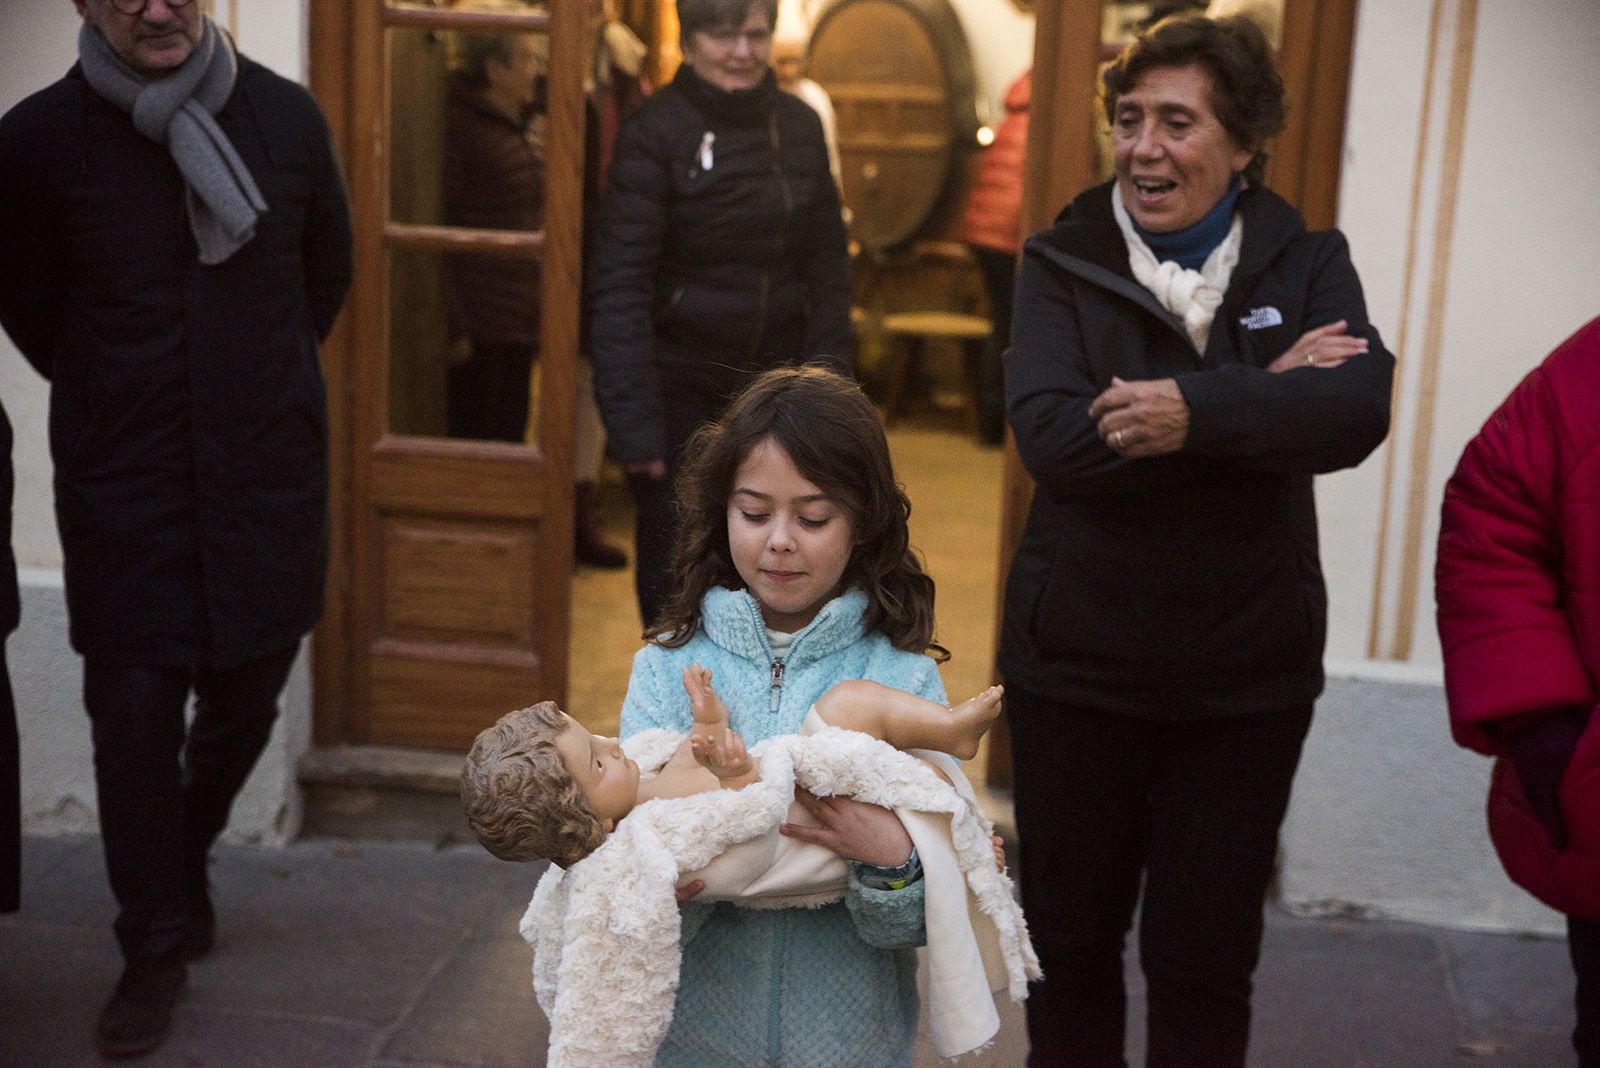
<point>1388,815</point>
<point>38,45</point>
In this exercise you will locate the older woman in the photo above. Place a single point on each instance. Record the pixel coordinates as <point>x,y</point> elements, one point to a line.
<point>1186,356</point>
<point>720,254</point>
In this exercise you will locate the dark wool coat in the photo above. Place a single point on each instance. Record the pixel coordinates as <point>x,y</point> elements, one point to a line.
<point>493,180</point>
<point>188,422</point>
<point>1186,584</point>
<point>701,277</point>
<point>1518,585</point>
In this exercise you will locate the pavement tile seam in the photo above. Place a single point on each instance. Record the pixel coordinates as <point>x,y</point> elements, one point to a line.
<point>279,1016</point>
<point>440,965</point>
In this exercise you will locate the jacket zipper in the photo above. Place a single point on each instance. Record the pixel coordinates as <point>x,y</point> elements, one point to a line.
<point>777,686</point>
<point>776,143</point>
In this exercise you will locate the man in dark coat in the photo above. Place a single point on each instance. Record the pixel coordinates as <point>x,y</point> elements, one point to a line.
<point>176,244</point>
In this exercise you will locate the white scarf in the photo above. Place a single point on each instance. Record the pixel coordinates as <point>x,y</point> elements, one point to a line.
<point>1193,296</point>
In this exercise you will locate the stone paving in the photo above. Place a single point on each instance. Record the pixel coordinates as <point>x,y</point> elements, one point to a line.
<point>385,955</point>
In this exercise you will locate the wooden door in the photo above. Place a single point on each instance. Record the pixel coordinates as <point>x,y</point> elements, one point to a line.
<point>449,594</point>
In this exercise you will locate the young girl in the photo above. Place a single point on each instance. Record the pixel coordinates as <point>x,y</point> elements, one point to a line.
<point>792,572</point>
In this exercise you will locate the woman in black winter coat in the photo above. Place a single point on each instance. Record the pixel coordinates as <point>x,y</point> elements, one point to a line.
<point>1186,356</point>
<point>720,254</point>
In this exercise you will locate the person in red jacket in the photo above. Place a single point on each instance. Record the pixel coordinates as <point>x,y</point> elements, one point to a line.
<point>991,225</point>
<point>1518,590</point>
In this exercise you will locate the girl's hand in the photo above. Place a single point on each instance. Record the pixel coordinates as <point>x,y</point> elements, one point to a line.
<point>1323,346</point>
<point>999,853</point>
<point>856,830</point>
<point>688,890</point>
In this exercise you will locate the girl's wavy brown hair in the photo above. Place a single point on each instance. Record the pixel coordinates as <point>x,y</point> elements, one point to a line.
<point>831,432</point>
<point>520,800</point>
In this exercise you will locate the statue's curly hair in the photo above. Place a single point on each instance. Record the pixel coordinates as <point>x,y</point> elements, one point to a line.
<point>520,800</point>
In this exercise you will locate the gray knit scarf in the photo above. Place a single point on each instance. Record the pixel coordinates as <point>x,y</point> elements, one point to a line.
<point>223,199</point>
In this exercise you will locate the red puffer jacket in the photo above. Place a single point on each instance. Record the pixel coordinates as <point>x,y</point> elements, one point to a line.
<point>992,217</point>
<point>1518,587</point>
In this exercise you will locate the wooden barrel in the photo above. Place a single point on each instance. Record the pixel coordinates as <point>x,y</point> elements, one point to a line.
<point>901,79</point>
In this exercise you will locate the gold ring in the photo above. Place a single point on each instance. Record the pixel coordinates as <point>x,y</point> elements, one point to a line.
<point>1311,358</point>
<point>1116,436</point>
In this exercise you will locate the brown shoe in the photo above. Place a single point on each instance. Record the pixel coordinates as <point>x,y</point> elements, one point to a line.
<point>139,1015</point>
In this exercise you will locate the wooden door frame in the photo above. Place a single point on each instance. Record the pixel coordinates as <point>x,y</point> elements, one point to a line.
<point>1315,60</point>
<point>332,76</point>
<point>346,70</point>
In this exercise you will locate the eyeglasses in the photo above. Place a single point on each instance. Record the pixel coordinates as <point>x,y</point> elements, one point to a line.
<point>729,37</point>
<point>136,7</point>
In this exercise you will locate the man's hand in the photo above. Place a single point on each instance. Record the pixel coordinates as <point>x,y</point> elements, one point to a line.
<point>1142,419</point>
<point>856,830</point>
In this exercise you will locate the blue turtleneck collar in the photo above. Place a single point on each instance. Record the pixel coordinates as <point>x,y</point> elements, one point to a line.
<point>1189,247</point>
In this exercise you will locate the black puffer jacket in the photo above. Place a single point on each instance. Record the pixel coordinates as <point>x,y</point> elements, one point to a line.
<point>1187,584</point>
<point>720,253</point>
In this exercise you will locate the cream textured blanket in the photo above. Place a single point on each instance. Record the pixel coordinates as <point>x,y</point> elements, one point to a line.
<point>605,932</point>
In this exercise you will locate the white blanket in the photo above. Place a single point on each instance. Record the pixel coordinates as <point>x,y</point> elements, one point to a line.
<point>605,932</point>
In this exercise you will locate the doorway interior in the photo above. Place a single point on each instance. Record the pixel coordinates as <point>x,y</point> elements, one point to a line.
<point>417,512</point>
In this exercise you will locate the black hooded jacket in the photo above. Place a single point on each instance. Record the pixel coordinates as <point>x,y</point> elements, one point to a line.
<point>1187,584</point>
<point>720,253</point>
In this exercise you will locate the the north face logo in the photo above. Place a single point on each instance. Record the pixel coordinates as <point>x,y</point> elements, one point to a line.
<point>1261,318</point>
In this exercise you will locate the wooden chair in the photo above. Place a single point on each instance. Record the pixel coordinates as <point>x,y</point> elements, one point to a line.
<point>932,293</point>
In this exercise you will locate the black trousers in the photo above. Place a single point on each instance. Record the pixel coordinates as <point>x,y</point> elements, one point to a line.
<point>655,501</point>
<point>999,270</point>
<point>1178,819</point>
<point>1583,943</point>
<point>164,792</point>
<point>10,795</point>
<point>486,397</point>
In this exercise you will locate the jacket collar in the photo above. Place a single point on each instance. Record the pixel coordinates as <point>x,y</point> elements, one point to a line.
<point>1086,241</point>
<point>732,619</point>
<point>736,107</point>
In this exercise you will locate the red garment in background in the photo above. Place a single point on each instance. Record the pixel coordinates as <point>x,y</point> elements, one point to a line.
<point>1518,585</point>
<point>993,214</point>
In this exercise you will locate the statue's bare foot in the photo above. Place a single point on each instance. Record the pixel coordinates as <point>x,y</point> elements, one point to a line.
<point>973,719</point>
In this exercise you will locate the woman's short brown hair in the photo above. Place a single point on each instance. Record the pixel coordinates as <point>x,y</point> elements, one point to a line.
<point>697,15</point>
<point>520,800</point>
<point>1246,93</point>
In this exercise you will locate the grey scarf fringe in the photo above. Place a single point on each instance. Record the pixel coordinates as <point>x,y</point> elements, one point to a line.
<point>223,199</point>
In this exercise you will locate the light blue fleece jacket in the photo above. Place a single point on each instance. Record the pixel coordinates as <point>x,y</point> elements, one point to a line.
<point>833,987</point>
